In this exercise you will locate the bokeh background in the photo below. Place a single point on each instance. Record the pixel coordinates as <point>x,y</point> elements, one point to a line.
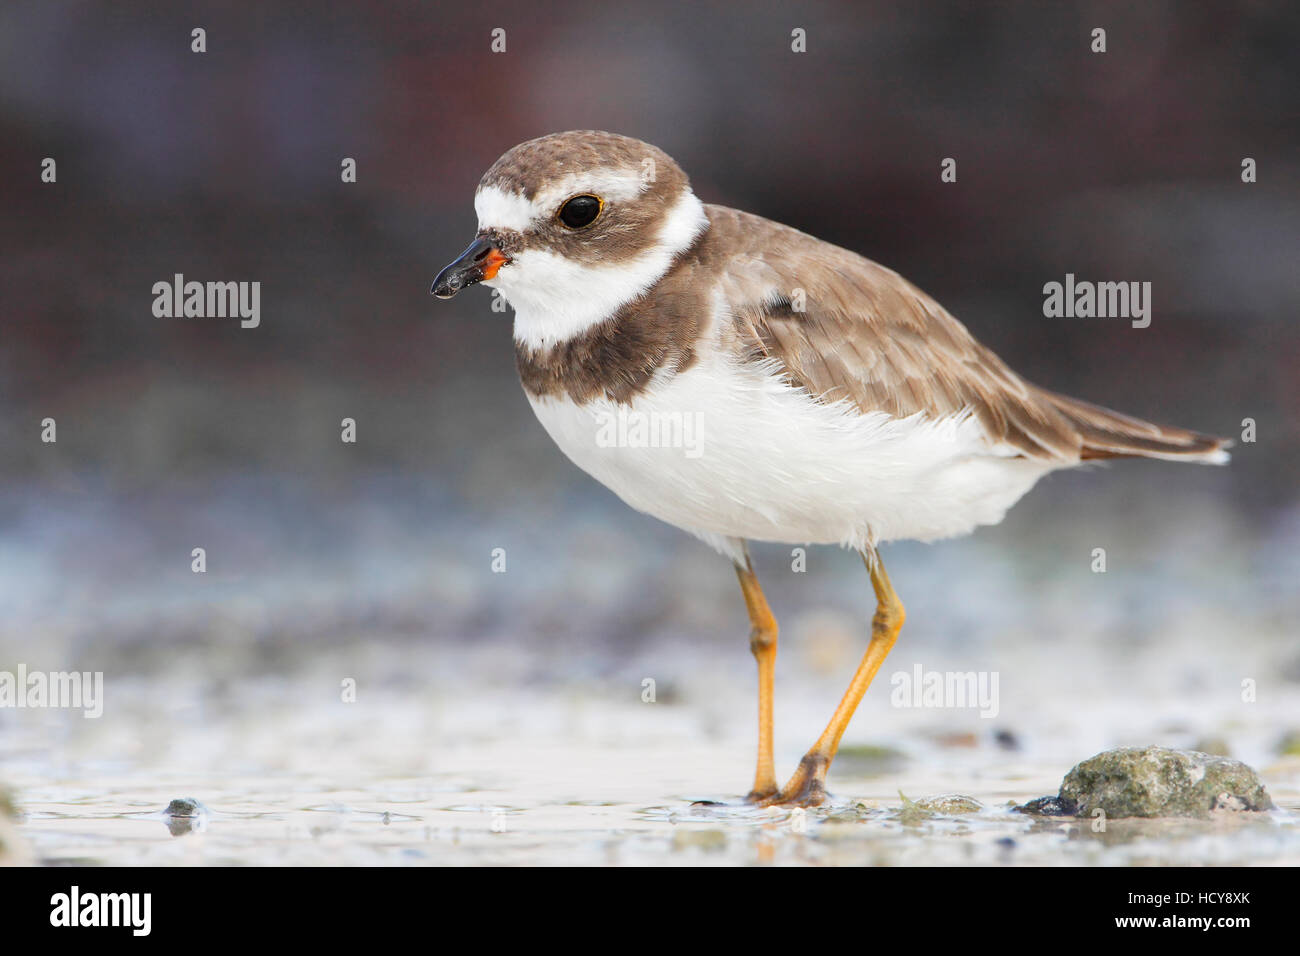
<point>372,560</point>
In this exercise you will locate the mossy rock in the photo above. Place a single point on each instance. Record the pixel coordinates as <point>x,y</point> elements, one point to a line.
<point>1048,807</point>
<point>950,804</point>
<point>184,807</point>
<point>916,812</point>
<point>1159,782</point>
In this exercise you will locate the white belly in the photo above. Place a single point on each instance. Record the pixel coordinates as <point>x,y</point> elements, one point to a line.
<point>727,452</point>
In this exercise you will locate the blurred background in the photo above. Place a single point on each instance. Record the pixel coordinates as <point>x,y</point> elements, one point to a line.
<point>372,560</point>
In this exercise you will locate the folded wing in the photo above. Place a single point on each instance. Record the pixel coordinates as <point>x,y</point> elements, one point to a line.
<point>844,328</point>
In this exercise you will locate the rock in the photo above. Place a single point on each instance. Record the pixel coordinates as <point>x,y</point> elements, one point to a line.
<point>951,804</point>
<point>186,815</point>
<point>911,814</point>
<point>916,812</point>
<point>1049,807</point>
<point>184,807</point>
<point>1159,782</point>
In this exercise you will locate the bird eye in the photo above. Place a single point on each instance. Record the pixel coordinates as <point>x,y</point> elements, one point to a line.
<point>580,211</point>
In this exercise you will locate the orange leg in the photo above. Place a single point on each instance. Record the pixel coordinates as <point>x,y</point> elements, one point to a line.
<point>807,788</point>
<point>762,642</point>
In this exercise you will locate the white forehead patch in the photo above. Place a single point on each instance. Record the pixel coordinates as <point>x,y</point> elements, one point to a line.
<point>501,209</point>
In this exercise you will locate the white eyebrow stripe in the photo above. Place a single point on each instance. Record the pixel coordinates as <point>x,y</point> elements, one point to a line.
<point>609,184</point>
<point>501,209</point>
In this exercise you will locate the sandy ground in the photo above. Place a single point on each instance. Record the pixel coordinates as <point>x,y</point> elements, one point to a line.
<point>428,771</point>
<point>500,719</point>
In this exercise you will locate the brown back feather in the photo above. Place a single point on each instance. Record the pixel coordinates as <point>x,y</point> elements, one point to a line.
<point>870,336</point>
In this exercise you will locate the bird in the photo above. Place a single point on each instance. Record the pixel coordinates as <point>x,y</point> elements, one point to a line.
<point>827,399</point>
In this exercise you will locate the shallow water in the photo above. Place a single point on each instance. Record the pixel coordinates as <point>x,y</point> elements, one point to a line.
<point>437,770</point>
<point>499,718</point>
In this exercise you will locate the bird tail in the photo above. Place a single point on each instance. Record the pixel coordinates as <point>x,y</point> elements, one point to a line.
<point>1108,434</point>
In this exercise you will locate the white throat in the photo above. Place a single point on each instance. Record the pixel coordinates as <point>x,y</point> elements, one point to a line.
<point>556,298</point>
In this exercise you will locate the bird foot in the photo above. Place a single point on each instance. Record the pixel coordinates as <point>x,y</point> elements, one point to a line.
<point>807,788</point>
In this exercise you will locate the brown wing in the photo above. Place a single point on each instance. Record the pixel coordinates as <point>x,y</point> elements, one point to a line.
<point>868,335</point>
<point>1108,434</point>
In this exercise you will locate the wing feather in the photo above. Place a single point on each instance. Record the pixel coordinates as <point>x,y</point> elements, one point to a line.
<point>868,336</point>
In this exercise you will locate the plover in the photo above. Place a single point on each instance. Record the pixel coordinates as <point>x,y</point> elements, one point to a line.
<point>836,403</point>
